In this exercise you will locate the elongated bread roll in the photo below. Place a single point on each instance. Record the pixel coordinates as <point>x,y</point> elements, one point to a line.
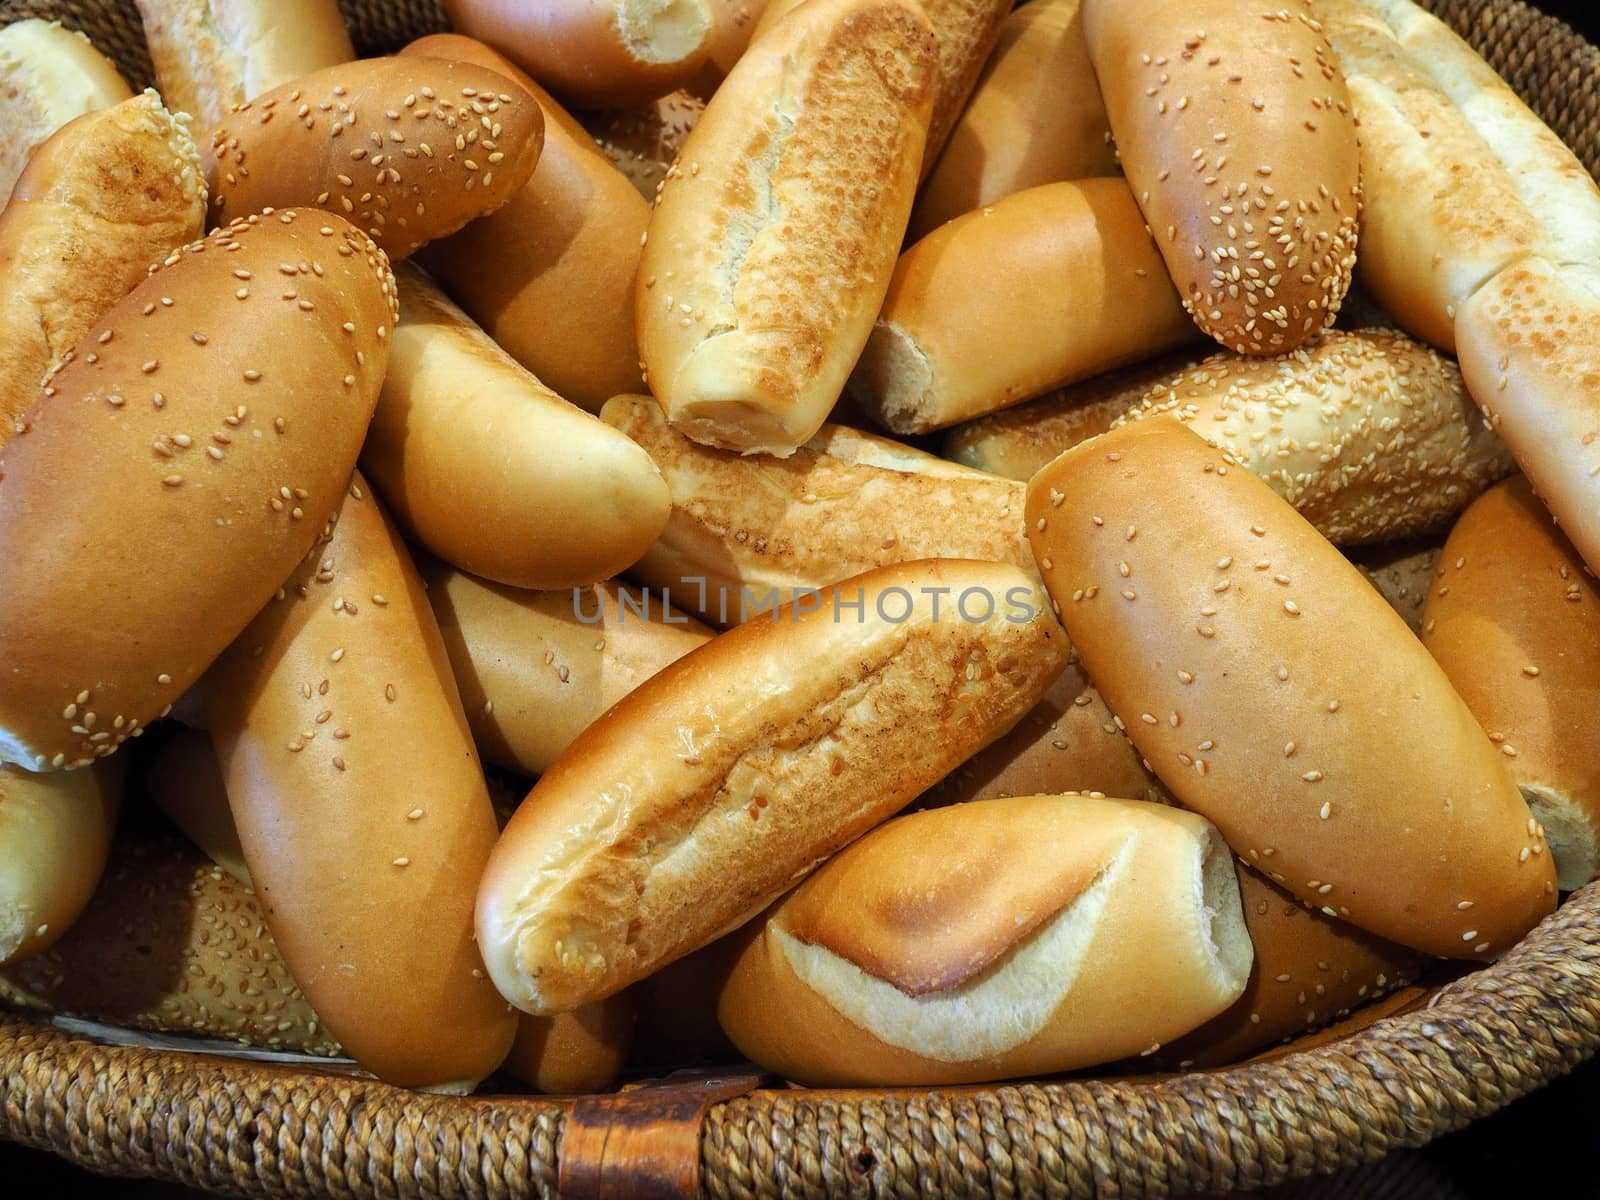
<point>575,229</point>
<point>361,806</point>
<point>993,939</point>
<point>1514,620</point>
<point>210,55</point>
<point>727,777</point>
<point>1370,435</point>
<point>48,76</point>
<point>112,193</point>
<point>773,241</point>
<point>1035,117</point>
<point>644,142</point>
<point>1236,132</point>
<point>491,470</point>
<point>186,784</point>
<point>749,533</point>
<point>197,438</point>
<point>538,668</point>
<point>1085,292</point>
<point>348,142</point>
<point>1402,572</point>
<point>575,1052</point>
<point>1274,691</point>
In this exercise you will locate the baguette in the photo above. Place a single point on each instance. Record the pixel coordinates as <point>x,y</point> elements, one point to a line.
<point>198,438</point>
<point>644,142</point>
<point>1276,693</point>
<point>1236,132</point>
<point>361,806</point>
<point>994,939</point>
<point>1085,292</point>
<point>491,470</point>
<point>724,779</point>
<point>752,311</point>
<point>1402,572</point>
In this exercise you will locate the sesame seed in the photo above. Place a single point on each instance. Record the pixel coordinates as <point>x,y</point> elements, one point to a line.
<point>402,861</point>
<point>173,481</point>
<point>1312,777</point>
<point>1530,671</point>
<point>1290,607</point>
<point>337,655</point>
<point>1325,811</point>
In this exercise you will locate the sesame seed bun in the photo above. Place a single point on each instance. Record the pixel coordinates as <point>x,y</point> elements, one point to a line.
<point>1402,572</point>
<point>1237,136</point>
<point>644,142</point>
<point>1275,692</point>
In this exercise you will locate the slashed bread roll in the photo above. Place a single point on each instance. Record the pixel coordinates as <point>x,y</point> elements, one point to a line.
<point>994,939</point>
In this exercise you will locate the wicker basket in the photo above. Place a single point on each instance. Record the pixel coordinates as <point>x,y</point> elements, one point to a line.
<point>247,1129</point>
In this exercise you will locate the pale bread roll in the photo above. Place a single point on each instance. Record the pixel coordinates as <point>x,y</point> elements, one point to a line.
<point>995,939</point>
<point>644,142</point>
<point>575,1052</point>
<point>724,779</point>
<point>1402,572</point>
<point>1275,692</point>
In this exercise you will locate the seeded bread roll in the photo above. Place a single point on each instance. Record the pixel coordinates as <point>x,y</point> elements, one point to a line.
<point>1370,435</point>
<point>538,668</point>
<point>752,311</point>
<point>994,939</point>
<point>749,533</point>
<point>1035,117</point>
<point>1402,572</point>
<point>48,76</point>
<point>644,142</point>
<point>491,470</point>
<point>361,806</point>
<point>733,24</point>
<point>1514,620</point>
<point>347,141</point>
<point>112,193</point>
<point>724,779</point>
<point>186,784</point>
<point>207,424</point>
<point>1085,292</point>
<point>210,55</point>
<point>575,229</point>
<point>576,1052</point>
<point>1236,133</point>
<point>1273,690</point>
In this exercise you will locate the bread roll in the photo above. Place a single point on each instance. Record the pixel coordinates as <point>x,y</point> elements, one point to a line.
<point>210,55</point>
<point>595,53</point>
<point>55,831</point>
<point>112,193</point>
<point>171,943</point>
<point>733,24</point>
<point>348,142</point>
<point>48,76</point>
<point>1370,435</point>
<point>727,777</point>
<point>1273,690</point>
<point>995,939</point>
<point>676,1023</point>
<point>749,533</point>
<point>361,806</point>
<point>643,142</point>
<point>1085,292</point>
<point>197,439</point>
<point>1514,620</point>
<point>576,1052</point>
<point>491,470</point>
<point>574,230</point>
<point>1035,117</point>
<point>538,668</point>
<point>186,784</point>
<point>1236,132</point>
<point>1402,573</point>
<point>769,250</point>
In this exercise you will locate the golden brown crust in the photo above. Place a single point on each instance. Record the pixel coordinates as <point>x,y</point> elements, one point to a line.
<point>577,1052</point>
<point>1274,691</point>
<point>1402,572</point>
<point>644,142</point>
<point>1236,132</point>
<point>197,440</point>
<point>344,139</point>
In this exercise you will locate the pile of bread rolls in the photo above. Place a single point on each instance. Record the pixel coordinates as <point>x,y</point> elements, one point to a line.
<point>553,658</point>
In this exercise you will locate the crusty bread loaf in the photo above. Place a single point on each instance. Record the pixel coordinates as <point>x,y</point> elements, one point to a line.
<point>1235,129</point>
<point>196,439</point>
<point>1402,572</point>
<point>575,229</point>
<point>536,669</point>
<point>361,806</point>
<point>48,76</point>
<point>727,777</point>
<point>994,939</point>
<point>1274,691</point>
<point>491,470</point>
<point>212,54</point>
<point>112,193</point>
<point>644,142</point>
<point>1514,619</point>
<point>346,140</point>
<point>186,784</point>
<point>1085,291</point>
<point>575,1052</point>
<point>1370,435</point>
<point>747,533</point>
<point>1035,117</point>
<point>774,238</point>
